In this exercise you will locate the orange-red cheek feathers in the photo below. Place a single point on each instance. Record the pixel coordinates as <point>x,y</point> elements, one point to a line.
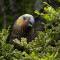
<point>21,22</point>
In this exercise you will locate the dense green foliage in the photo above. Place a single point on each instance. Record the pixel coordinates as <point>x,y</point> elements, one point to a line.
<point>46,45</point>
<point>38,49</point>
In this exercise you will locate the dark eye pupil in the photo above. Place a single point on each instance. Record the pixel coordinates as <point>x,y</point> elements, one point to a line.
<point>24,18</point>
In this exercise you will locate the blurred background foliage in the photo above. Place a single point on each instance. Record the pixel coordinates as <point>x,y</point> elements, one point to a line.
<point>46,45</point>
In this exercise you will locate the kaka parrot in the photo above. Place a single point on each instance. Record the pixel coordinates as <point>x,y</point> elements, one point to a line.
<point>23,27</point>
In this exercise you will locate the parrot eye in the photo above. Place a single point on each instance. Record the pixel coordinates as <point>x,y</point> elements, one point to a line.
<point>24,18</point>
